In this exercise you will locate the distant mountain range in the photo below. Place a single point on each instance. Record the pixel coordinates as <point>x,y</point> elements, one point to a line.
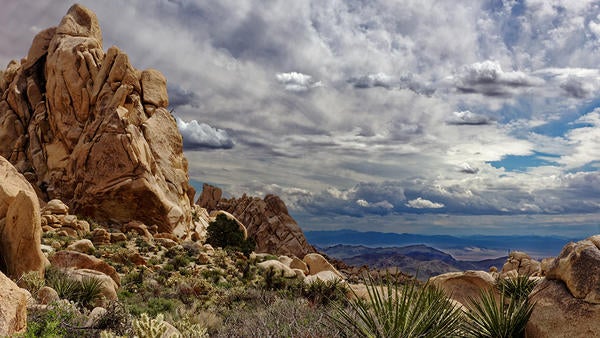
<point>419,260</point>
<point>472,248</point>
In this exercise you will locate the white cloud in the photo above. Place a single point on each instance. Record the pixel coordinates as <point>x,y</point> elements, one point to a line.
<point>201,135</point>
<point>297,82</point>
<point>468,118</point>
<point>421,203</point>
<point>489,79</point>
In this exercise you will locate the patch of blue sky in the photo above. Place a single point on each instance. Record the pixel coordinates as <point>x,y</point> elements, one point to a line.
<point>559,128</point>
<point>522,163</point>
<point>588,167</point>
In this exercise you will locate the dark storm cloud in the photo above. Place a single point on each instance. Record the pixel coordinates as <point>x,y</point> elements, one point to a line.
<point>575,87</point>
<point>179,96</point>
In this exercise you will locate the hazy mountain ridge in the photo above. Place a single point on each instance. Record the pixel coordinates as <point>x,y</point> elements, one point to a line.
<point>419,259</point>
<point>473,247</point>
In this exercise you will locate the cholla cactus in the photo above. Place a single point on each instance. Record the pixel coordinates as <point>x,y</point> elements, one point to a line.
<point>147,327</point>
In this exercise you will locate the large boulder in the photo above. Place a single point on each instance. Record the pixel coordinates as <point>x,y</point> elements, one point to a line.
<point>13,308</point>
<point>463,286</point>
<point>87,128</point>
<point>578,266</point>
<point>20,225</point>
<point>267,221</point>
<point>68,259</point>
<point>317,263</point>
<point>558,314</point>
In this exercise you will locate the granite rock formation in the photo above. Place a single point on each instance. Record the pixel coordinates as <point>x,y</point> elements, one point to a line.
<point>267,221</point>
<point>87,128</point>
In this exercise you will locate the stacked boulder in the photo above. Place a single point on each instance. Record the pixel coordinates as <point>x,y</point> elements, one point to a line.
<point>56,218</point>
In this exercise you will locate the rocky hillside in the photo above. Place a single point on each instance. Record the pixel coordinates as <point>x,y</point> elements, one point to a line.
<point>267,221</point>
<point>86,127</point>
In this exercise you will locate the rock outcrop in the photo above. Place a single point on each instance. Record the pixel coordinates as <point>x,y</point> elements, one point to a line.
<point>578,266</point>
<point>13,308</point>
<point>558,314</point>
<point>87,128</point>
<point>20,227</point>
<point>267,221</point>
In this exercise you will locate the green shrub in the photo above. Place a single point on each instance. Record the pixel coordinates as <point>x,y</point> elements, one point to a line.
<point>497,318</point>
<point>59,319</point>
<point>391,311</point>
<point>324,292</point>
<point>225,233</point>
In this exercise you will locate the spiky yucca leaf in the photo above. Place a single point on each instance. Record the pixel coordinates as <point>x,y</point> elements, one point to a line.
<point>391,311</point>
<point>491,317</point>
<point>517,288</point>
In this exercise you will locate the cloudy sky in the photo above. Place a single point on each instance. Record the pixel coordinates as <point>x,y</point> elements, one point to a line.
<point>446,117</point>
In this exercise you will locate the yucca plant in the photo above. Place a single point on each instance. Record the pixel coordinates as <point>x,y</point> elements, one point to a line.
<point>517,288</point>
<point>89,290</point>
<point>399,311</point>
<point>491,317</point>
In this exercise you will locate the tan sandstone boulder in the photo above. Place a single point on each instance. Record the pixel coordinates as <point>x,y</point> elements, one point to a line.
<point>278,267</point>
<point>13,307</point>
<point>67,259</point>
<point>89,129</point>
<point>20,224</point>
<point>267,221</point>
<point>557,314</point>
<point>578,266</point>
<point>317,263</point>
<point>461,286</point>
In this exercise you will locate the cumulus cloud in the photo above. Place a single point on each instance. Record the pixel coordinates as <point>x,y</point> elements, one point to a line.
<point>198,136</point>
<point>468,118</point>
<point>380,129</point>
<point>466,168</point>
<point>421,203</point>
<point>489,79</point>
<point>297,82</point>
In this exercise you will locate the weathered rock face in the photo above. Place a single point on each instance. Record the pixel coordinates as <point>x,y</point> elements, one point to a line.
<point>13,308</point>
<point>558,314</point>
<point>462,286</point>
<point>578,266</point>
<point>87,128</point>
<point>20,229</point>
<point>267,221</point>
